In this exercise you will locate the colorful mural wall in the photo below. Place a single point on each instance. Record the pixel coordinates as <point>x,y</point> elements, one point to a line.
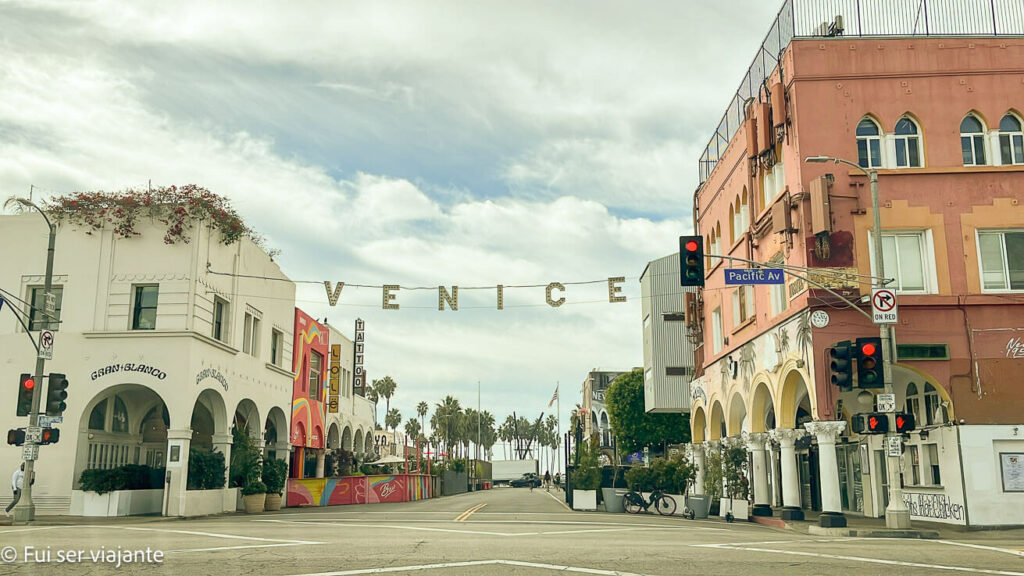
<point>310,365</point>
<point>358,490</point>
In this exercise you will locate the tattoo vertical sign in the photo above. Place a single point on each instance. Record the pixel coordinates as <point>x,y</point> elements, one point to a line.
<point>358,376</point>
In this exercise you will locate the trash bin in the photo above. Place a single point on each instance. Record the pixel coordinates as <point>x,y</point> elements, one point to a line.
<point>613,499</point>
<point>699,503</point>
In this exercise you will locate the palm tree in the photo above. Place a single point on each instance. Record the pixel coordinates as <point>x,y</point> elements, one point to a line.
<point>412,428</point>
<point>488,436</point>
<point>393,419</point>
<point>446,414</point>
<point>373,396</point>
<point>505,434</point>
<point>421,409</point>
<point>385,389</point>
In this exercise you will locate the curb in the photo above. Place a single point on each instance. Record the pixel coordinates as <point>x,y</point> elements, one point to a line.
<point>773,522</point>
<point>872,532</point>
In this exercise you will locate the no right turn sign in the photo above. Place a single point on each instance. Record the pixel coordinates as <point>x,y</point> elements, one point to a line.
<point>883,306</point>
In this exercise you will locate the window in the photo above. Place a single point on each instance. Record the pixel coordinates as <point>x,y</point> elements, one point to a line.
<point>922,352</point>
<point>908,259</point>
<point>250,334</point>
<point>913,402</point>
<point>933,458</point>
<point>119,420</point>
<point>648,374</point>
<point>774,183</point>
<point>1011,140</point>
<point>1002,260</point>
<point>144,309</point>
<point>716,327</point>
<point>777,292</point>
<point>869,144</point>
<point>925,404</point>
<point>972,141</point>
<point>915,466</point>
<point>220,318</point>
<point>39,319</point>
<point>647,321</point>
<point>316,362</point>
<point>98,416</point>
<point>276,338</point>
<point>742,304</point>
<point>908,144</point>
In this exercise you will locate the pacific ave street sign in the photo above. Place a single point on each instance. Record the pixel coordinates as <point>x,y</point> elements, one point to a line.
<point>740,276</point>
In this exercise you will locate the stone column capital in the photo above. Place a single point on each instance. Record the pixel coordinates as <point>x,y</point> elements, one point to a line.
<point>714,444</point>
<point>183,434</point>
<point>755,441</point>
<point>786,437</point>
<point>826,432</point>
<point>223,439</point>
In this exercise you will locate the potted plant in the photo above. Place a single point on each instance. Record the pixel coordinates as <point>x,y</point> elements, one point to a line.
<point>275,472</point>
<point>613,496</point>
<point>713,480</point>
<point>734,504</point>
<point>254,494</point>
<point>673,475</point>
<point>586,477</point>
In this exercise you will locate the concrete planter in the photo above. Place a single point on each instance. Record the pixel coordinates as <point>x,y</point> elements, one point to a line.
<point>273,503</point>
<point>584,499</point>
<point>613,498</point>
<point>207,502</point>
<point>117,503</point>
<point>739,508</point>
<point>255,503</point>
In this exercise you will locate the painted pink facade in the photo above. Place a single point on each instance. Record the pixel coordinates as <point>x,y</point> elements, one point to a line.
<point>358,490</point>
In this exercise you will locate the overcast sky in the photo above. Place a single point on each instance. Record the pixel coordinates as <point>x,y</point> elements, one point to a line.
<point>412,143</point>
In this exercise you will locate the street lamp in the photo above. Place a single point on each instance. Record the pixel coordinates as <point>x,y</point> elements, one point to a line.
<point>897,516</point>
<point>25,509</point>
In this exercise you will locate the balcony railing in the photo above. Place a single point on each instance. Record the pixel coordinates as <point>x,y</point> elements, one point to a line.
<point>860,18</point>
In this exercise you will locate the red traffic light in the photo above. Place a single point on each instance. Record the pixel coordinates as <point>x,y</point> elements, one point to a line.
<point>30,384</point>
<point>691,246</point>
<point>873,422</point>
<point>868,349</point>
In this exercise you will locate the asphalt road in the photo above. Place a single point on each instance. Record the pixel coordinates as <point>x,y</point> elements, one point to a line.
<point>502,532</point>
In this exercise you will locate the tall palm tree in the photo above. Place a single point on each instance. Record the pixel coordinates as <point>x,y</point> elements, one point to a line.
<point>447,413</point>
<point>412,428</point>
<point>421,409</point>
<point>373,396</point>
<point>386,389</point>
<point>393,419</point>
<point>488,435</point>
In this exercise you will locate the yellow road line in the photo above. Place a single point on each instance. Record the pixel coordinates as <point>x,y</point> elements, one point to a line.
<point>462,517</point>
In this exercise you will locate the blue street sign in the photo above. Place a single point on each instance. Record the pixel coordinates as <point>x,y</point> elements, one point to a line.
<point>735,276</point>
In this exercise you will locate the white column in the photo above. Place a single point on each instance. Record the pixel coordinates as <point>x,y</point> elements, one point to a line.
<point>828,468</point>
<point>772,459</point>
<point>176,482</point>
<point>222,443</point>
<point>787,437</point>
<point>762,500</point>
<point>698,461</point>
<point>321,455</point>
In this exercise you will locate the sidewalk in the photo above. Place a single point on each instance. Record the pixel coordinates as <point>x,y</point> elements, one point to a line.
<point>864,527</point>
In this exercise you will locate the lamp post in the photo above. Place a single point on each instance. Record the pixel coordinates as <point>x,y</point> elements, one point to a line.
<point>25,509</point>
<point>897,515</point>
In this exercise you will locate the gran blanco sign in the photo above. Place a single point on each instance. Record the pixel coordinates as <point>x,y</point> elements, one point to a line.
<point>130,367</point>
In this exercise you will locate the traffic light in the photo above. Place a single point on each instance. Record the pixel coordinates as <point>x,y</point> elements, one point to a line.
<point>869,363</point>
<point>56,393</point>
<point>904,422</point>
<point>691,261</point>
<point>49,436</point>
<point>841,365</point>
<point>25,389</point>
<point>16,437</point>
<point>871,423</point>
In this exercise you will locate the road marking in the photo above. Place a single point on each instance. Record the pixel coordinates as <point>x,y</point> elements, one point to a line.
<point>12,531</point>
<point>462,517</point>
<point>216,535</point>
<point>1015,552</point>
<point>355,521</point>
<point>860,559</point>
<point>476,563</point>
<point>559,501</point>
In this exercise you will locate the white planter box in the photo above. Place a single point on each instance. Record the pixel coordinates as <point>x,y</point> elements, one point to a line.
<point>207,502</point>
<point>584,499</point>
<point>739,509</point>
<point>117,503</point>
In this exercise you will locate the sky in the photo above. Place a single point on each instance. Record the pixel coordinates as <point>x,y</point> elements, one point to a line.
<point>410,143</point>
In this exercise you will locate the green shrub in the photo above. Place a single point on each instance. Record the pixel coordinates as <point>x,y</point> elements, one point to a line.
<point>253,488</point>
<point>587,475</point>
<point>734,461</point>
<point>713,475</point>
<point>245,459</point>
<point>205,469</point>
<point>129,477</point>
<point>275,472</point>
<point>673,474</point>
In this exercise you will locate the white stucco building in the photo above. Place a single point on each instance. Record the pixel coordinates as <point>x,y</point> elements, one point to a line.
<point>668,352</point>
<point>162,354</point>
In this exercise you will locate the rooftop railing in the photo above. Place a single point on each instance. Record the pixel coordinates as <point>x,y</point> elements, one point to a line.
<point>859,18</point>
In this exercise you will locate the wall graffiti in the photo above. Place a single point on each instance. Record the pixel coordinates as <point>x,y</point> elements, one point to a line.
<point>936,506</point>
<point>1015,348</point>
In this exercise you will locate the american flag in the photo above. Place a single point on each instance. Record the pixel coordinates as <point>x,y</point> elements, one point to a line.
<point>553,398</point>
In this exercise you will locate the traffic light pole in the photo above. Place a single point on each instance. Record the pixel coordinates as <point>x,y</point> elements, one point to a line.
<point>897,515</point>
<point>25,510</point>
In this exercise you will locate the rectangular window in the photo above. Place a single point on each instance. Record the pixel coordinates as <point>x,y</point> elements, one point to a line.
<point>250,335</point>
<point>742,304</point>
<point>316,362</point>
<point>276,338</point>
<point>908,260</point>
<point>778,297</point>
<point>933,457</point>
<point>144,308</point>
<point>220,318</point>
<point>39,319</point>
<point>869,152</point>
<point>716,327</point>
<point>915,466</point>
<point>1011,148</point>
<point>1002,260</point>
<point>906,352</point>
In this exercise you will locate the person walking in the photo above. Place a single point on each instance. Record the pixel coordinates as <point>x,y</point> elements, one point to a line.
<point>17,482</point>
<point>558,481</point>
<point>547,480</point>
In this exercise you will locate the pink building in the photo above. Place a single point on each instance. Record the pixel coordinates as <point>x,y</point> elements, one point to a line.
<point>932,100</point>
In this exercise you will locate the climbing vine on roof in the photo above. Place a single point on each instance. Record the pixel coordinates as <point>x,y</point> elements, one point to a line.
<point>179,208</point>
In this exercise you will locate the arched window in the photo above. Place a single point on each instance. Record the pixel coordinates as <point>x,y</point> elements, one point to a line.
<point>934,411</point>
<point>733,223</point>
<point>1011,140</point>
<point>908,144</point>
<point>972,140</point>
<point>869,144</point>
<point>119,420</point>
<point>98,416</point>
<point>744,210</point>
<point>913,403</point>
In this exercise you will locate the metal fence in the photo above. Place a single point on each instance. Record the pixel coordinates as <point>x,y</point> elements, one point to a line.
<point>860,18</point>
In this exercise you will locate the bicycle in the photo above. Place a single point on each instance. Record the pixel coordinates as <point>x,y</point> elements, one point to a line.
<point>634,502</point>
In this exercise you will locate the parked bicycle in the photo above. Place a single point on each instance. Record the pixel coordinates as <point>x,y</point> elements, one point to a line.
<point>634,502</point>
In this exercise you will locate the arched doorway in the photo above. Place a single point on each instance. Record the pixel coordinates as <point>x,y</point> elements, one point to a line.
<point>124,424</point>
<point>275,434</point>
<point>359,442</point>
<point>346,439</point>
<point>247,418</point>
<point>209,418</point>
<point>368,440</point>
<point>762,409</point>
<point>698,432</point>
<point>737,416</point>
<point>717,430</point>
